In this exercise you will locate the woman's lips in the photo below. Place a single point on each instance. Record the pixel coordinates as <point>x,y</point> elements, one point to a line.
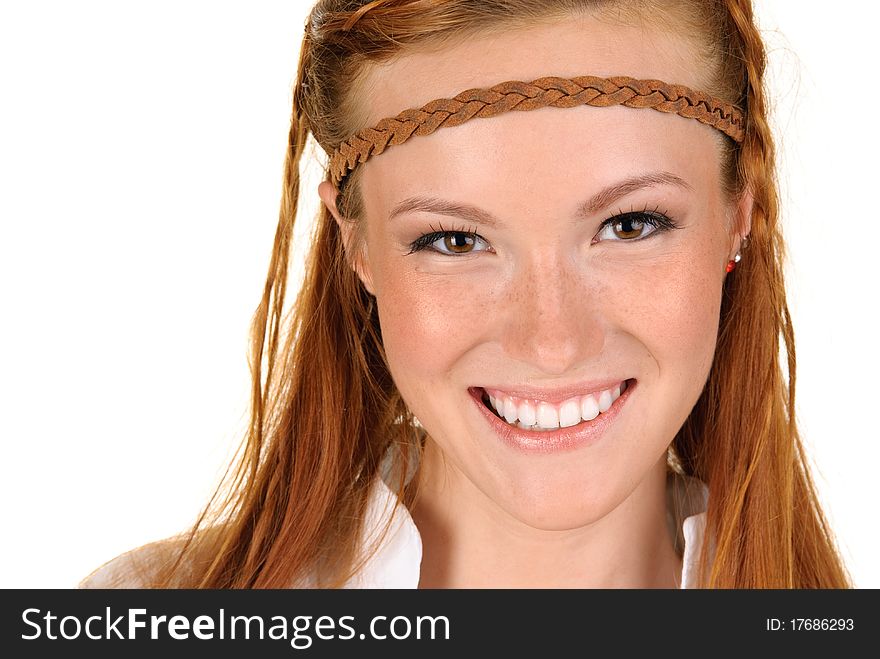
<point>526,411</point>
<point>560,439</point>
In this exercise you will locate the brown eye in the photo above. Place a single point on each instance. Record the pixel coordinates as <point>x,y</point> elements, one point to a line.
<point>633,226</point>
<point>628,228</point>
<point>458,242</point>
<point>451,243</point>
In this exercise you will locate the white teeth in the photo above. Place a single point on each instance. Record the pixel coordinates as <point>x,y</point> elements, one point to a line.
<point>570,413</point>
<point>547,415</point>
<point>509,410</point>
<point>542,416</point>
<point>526,413</point>
<point>589,408</point>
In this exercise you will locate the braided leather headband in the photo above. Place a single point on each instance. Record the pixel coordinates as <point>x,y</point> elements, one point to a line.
<point>544,92</point>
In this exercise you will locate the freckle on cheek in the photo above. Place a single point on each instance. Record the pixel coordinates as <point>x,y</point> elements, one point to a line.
<point>676,309</point>
<point>412,326</point>
<point>426,328</point>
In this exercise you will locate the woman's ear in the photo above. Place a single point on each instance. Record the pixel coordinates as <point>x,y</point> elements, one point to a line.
<point>355,253</point>
<point>742,220</point>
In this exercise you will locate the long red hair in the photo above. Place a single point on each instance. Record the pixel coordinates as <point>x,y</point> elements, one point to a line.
<point>325,410</point>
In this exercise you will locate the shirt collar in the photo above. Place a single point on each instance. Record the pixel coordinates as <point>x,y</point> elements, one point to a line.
<point>396,561</point>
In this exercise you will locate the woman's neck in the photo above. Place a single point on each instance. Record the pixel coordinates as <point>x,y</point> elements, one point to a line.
<point>469,543</point>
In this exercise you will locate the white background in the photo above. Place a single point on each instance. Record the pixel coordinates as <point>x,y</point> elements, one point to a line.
<point>141,147</point>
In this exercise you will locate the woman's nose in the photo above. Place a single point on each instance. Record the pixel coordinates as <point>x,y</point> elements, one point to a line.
<point>552,318</point>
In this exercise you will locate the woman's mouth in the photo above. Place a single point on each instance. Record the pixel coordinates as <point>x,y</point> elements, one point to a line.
<point>533,424</point>
<point>531,414</point>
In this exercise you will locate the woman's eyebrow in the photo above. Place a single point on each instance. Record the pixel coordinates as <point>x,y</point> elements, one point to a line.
<point>443,207</point>
<point>597,202</point>
<point>616,191</point>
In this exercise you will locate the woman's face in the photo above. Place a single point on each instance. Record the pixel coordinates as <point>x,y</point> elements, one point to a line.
<point>539,296</point>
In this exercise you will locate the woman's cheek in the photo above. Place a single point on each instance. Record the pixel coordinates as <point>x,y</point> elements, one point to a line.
<point>676,313</point>
<point>428,322</point>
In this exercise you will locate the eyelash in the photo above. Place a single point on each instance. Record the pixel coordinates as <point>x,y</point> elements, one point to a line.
<point>426,240</point>
<point>655,218</point>
<point>660,221</point>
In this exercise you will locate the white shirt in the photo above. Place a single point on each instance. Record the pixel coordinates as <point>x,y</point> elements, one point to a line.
<point>396,562</point>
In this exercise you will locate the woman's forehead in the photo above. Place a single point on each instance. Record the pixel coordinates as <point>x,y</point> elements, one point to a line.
<point>544,154</point>
<point>575,46</point>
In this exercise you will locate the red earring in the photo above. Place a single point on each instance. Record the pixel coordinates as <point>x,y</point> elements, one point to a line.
<point>732,264</point>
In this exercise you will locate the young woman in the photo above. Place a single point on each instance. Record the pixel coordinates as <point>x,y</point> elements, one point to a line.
<point>538,342</point>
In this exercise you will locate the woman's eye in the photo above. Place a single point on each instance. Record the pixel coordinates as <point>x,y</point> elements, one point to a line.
<point>629,227</point>
<point>449,242</point>
<point>458,243</point>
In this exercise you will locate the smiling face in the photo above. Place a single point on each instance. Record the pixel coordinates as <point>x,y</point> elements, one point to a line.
<point>541,258</point>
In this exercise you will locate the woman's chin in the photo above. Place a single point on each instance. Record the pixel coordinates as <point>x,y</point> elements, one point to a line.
<point>556,505</point>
